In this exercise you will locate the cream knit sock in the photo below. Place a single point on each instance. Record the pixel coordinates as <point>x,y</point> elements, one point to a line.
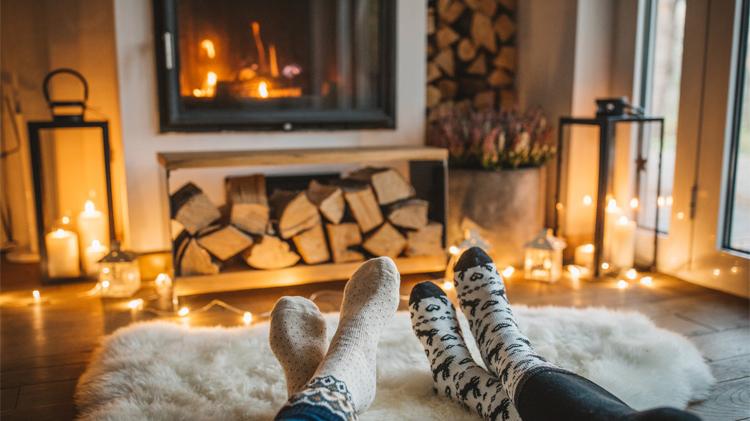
<point>370,300</point>
<point>298,339</point>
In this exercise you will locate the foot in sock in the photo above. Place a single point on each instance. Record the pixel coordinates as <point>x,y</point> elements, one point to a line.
<point>506,351</point>
<point>454,371</point>
<point>298,339</point>
<point>346,377</point>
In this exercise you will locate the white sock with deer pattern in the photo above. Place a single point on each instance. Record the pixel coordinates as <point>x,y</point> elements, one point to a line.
<point>454,372</point>
<point>506,351</point>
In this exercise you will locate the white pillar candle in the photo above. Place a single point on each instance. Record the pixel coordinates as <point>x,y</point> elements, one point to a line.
<point>611,215</point>
<point>623,243</point>
<point>62,254</point>
<point>584,256</point>
<point>92,226</point>
<point>91,256</point>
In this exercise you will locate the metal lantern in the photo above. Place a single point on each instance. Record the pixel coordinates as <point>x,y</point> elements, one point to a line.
<point>611,112</point>
<point>543,257</point>
<point>119,275</point>
<point>56,246</point>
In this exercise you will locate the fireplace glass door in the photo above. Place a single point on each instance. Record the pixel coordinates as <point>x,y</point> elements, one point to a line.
<point>275,64</point>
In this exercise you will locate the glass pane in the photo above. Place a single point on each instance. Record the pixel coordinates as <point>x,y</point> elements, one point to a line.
<point>662,99</point>
<point>739,213</point>
<point>286,54</point>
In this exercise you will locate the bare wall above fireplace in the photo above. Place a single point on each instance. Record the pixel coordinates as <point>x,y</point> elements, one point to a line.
<point>275,65</point>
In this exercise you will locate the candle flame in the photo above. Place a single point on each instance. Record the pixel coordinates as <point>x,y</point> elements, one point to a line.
<point>587,248</point>
<point>89,207</point>
<point>66,220</point>
<point>634,203</point>
<point>623,220</point>
<point>587,200</point>
<point>135,304</point>
<point>612,205</point>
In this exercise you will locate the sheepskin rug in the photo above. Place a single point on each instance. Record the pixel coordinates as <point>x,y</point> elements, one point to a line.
<point>164,371</point>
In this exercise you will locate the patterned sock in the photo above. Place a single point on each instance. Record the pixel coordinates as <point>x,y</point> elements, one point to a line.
<point>298,339</point>
<point>506,351</point>
<point>370,300</point>
<point>454,371</point>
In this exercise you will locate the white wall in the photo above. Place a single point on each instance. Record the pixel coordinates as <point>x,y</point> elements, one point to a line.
<point>138,102</point>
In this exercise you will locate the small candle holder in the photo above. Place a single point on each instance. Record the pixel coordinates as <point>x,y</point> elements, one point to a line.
<point>119,275</point>
<point>543,257</point>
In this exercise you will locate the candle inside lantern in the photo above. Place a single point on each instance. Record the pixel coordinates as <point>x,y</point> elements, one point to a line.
<point>92,226</point>
<point>584,256</point>
<point>623,243</point>
<point>91,256</point>
<point>612,213</point>
<point>62,254</point>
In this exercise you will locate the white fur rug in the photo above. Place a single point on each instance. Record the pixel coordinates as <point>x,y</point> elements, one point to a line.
<point>163,371</point>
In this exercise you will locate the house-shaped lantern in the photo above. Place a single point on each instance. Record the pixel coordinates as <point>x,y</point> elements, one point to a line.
<point>543,257</point>
<point>119,275</point>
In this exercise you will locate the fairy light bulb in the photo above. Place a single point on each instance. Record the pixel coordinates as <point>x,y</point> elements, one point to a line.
<point>647,281</point>
<point>183,311</point>
<point>247,318</point>
<point>447,285</point>
<point>622,284</point>
<point>136,304</point>
<point>508,271</point>
<point>588,200</point>
<point>37,295</point>
<point>631,274</point>
<point>453,250</point>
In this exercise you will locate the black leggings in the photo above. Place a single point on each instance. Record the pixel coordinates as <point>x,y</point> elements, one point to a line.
<point>559,395</point>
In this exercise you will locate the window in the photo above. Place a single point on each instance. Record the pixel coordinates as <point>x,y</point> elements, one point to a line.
<point>737,221</point>
<point>660,96</point>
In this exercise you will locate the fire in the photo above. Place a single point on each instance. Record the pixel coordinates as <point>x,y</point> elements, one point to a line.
<point>208,46</point>
<point>263,89</point>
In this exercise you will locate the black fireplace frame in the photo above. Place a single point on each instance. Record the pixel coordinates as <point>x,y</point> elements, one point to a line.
<point>174,118</point>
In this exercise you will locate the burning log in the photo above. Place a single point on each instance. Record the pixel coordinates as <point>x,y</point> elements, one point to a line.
<point>386,241</point>
<point>390,186</point>
<point>426,241</point>
<point>312,246</point>
<point>195,260</point>
<point>329,200</point>
<point>294,212</point>
<point>262,63</point>
<point>271,253</point>
<point>225,242</point>
<point>246,197</point>
<point>192,208</point>
<point>411,213</point>
<point>342,237</point>
<point>363,205</point>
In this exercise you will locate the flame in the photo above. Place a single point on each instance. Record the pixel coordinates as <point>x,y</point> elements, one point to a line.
<point>263,89</point>
<point>208,46</point>
<point>89,207</point>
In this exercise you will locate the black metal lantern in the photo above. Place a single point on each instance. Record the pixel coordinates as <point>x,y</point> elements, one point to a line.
<point>62,243</point>
<point>611,112</point>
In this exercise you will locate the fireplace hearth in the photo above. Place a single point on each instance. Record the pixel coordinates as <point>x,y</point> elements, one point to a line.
<point>275,65</point>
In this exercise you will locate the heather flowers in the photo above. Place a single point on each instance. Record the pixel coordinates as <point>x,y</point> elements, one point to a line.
<point>492,140</point>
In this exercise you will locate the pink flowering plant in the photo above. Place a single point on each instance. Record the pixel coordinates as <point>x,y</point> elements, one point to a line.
<point>493,140</point>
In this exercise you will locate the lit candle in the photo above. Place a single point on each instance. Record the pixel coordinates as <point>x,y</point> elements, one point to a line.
<point>584,256</point>
<point>623,243</point>
<point>92,226</point>
<point>91,256</point>
<point>612,213</point>
<point>62,254</point>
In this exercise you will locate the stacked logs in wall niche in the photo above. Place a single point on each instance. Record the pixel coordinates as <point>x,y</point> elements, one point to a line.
<point>370,212</point>
<point>471,54</point>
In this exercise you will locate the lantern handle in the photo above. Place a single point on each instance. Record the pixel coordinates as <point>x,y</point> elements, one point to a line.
<point>52,104</point>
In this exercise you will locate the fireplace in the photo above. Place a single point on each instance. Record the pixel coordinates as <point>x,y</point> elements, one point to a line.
<point>275,64</point>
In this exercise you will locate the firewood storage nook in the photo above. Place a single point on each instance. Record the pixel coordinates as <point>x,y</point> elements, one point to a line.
<point>278,230</point>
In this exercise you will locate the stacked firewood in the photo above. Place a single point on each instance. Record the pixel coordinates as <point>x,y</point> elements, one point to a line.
<point>472,54</point>
<point>371,212</point>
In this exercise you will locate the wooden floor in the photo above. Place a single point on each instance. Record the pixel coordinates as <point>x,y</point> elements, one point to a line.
<point>45,347</point>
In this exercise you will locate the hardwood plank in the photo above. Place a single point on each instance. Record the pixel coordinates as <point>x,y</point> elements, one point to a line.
<point>8,398</point>
<point>724,344</point>
<point>57,412</point>
<point>30,376</point>
<point>368,155</point>
<point>46,394</point>
<point>731,368</point>
<point>728,401</point>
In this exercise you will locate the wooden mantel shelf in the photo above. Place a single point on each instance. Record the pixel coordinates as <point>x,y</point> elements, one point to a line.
<point>369,155</point>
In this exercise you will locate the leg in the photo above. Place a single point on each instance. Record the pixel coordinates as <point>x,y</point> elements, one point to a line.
<point>454,371</point>
<point>540,390</point>
<point>344,382</point>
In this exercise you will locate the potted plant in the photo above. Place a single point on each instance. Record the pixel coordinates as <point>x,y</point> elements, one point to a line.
<point>496,183</point>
